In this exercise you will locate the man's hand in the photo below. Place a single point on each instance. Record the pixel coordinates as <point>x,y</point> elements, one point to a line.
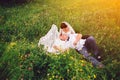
<point>78,37</point>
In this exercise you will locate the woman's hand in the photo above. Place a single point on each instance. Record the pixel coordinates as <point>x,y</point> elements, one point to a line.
<point>75,43</point>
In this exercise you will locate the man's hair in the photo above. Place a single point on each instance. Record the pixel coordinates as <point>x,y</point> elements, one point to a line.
<point>63,25</point>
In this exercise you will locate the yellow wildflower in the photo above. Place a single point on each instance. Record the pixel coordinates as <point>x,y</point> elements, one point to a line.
<point>71,58</point>
<point>12,44</point>
<point>89,77</point>
<point>82,61</point>
<point>94,76</point>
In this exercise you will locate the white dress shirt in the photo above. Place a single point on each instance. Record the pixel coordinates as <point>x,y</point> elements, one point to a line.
<point>70,41</point>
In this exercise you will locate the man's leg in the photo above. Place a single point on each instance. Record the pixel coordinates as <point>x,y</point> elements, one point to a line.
<point>90,44</point>
<point>95,62</point>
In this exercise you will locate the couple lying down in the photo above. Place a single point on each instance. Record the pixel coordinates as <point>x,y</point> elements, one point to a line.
<point>66,38</point>
<point>52,38</point>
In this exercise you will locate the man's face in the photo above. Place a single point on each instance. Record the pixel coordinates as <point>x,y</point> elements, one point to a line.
<point>63,37</point>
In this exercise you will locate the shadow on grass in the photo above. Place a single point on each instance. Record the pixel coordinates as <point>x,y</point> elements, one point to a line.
<point>12,3</point>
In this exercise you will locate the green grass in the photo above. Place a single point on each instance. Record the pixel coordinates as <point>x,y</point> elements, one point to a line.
<point>21,26</point>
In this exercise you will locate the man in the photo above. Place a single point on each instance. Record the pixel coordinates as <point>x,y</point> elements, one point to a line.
<point>75,41</point>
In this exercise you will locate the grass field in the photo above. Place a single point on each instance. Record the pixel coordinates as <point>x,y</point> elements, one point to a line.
<point>21,26</point>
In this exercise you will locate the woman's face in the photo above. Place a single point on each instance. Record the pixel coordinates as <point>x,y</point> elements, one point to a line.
<point>66,29</point>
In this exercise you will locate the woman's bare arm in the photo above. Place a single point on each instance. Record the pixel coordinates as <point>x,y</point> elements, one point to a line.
<point>59,49</point>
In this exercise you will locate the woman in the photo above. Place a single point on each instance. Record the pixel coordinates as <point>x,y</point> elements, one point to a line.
<point>52,37</point>
<point>66,28</point>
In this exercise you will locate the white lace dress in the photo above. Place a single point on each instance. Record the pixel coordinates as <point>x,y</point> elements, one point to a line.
<point>49,39</point>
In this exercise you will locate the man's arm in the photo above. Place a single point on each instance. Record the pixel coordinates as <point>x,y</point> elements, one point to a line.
<point>78,37</point>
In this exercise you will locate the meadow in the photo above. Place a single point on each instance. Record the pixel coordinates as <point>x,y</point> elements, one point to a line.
<point>21,27</point>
